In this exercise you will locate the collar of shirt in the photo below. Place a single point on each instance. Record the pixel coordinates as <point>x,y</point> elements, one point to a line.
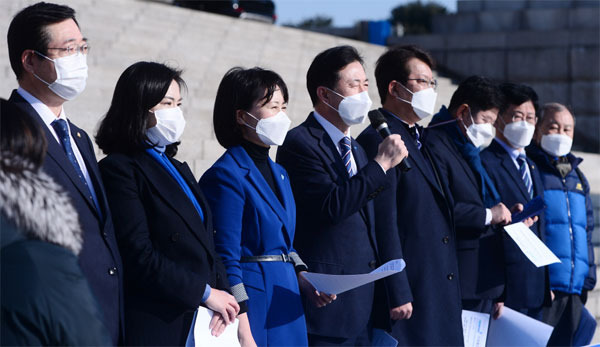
<point>513,152</point>
<point>334,133</point>
<point>43,111</point>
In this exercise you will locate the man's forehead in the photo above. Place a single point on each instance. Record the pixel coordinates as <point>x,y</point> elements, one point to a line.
<point>64,32</point>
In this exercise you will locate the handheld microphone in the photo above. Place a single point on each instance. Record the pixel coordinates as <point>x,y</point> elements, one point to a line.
<point>378,123</point>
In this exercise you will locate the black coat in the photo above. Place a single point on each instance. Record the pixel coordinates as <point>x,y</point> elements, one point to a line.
<point>168,251</point>
<point>46,299</point>
<point>479,247</point>
<point>415,208</point>
<point>99,259</point>
<point>335,230</point>
<point>527,286</point>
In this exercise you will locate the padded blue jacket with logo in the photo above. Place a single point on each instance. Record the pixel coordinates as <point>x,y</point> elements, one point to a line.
<point>569,224</point>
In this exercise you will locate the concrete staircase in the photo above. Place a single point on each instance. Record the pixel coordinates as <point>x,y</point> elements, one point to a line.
<point>204,45</point>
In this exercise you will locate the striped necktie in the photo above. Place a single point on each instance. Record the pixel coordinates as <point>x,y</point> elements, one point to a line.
<point>346,150</point>
<point>521,159</point>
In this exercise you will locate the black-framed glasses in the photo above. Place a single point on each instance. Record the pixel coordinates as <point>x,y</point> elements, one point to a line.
<point>72,49</point>
<point>425,83</point>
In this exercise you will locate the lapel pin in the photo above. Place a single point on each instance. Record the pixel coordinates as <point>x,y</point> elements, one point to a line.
<point>282,177</point>
<point>78,134</point>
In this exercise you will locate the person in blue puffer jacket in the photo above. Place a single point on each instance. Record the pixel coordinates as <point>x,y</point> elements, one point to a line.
<point>569,221</point>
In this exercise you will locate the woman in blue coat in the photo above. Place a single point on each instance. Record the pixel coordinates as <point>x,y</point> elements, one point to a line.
<point>254,209</point>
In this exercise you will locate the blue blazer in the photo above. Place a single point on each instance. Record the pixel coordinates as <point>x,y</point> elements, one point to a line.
<point>479,247</point>
<point>527,286</point>
<point>415,208</point>
<point>99,259</point>
<point>335,226</point>
<point>249,221</point>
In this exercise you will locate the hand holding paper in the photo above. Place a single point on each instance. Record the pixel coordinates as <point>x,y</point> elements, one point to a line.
<point>533,248</point>
<point>336,284</point>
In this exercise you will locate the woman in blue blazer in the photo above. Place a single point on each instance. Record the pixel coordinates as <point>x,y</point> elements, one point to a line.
<point>162,221</point>
<point>255,213</point>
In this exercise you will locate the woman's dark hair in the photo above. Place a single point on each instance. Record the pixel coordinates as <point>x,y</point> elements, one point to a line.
<point>517,94</point>
<point>27,30</point>
<point>239,89</point>
<point>141,86</point>
<point>392,65</point>
<point>325,68</point>
<point>21,139</point>
<point>480,93</point>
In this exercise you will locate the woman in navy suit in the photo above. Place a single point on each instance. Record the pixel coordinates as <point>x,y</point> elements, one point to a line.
<point>162,221</point>
<point>255,212</point>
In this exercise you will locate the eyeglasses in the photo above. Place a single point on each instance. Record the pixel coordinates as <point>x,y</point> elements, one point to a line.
<point>519,117</point>
<point>425,83</point>
<point>72,49</point>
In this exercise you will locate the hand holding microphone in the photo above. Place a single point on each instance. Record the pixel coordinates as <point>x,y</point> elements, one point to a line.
<point>392,150</point>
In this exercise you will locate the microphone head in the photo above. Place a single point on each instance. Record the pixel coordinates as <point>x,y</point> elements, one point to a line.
<point>376,118</point>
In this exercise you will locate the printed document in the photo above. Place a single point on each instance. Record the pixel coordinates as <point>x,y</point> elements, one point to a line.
<point>337,284</point>
<point>533,248</point>
<point>516,329</point>
<point>475,328</point>
<point>200,334</point>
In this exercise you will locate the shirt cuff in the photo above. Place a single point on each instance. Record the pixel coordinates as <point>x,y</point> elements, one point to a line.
<point>239,292</point>
<point>206,293</point>
<point>299,265</point>
<point>488,216</point>
<point>380,166</point>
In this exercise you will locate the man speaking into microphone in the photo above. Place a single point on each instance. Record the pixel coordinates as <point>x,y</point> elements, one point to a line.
<point>415,207</point>
<point>334,184</point>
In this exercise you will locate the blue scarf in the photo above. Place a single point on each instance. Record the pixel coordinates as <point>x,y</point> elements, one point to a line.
<point>470,153</point>
<point>159,155</point>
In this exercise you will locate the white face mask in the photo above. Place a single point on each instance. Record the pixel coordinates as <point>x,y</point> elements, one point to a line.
<point>71,75</point>
<point>271,131</point>
<point>556,144</point>
<point>519,134</point>
<point>353,109</point>
<point>423,101</point>
<point>479,134</point>
<point>169,126</point>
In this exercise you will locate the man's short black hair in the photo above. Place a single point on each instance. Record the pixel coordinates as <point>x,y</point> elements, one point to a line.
<point>517,94</point>
<point>240,89</point>
<point>139,88</point>
<point>391,66</point>
<point>27,30</point>
<point>480,93</point>
<point>324,69</point>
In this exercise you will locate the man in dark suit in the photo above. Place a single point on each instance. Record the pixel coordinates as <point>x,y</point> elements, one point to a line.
<point>416,206</point>
<point>48,55</point>
<point>517,180</point>
<point>453,139</point>
<point>333,184</point>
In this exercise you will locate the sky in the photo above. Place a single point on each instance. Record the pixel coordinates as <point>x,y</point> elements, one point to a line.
<point>345,13</point>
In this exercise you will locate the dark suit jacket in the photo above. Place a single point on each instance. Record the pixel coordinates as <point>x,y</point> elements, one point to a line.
<point>415,208</point>
<point>99,259</point>
<point>335,232</point>
<point>479,247</point>
<point>526,285</point>
<point>168,251</point>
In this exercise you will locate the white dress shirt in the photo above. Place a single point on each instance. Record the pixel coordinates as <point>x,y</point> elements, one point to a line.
<point>336,136</point>
<point>48,117</point>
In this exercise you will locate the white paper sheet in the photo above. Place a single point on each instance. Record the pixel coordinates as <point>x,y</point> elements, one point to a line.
<point>533,248</point>
<point>475,328</point>
<point>200,333</point>
<point>336,284</point>
<point>516,329</point>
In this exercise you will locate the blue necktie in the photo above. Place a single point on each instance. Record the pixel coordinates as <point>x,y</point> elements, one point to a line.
<point>62,130</point>
<point>525,174</point>
<point>346,151</point>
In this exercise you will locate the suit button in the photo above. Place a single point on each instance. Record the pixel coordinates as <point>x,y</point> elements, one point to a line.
<point>372,264</point>
<point>112,271</point>
<point>450,276</point>
<point>446,239</point>
<point>175,237</point>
